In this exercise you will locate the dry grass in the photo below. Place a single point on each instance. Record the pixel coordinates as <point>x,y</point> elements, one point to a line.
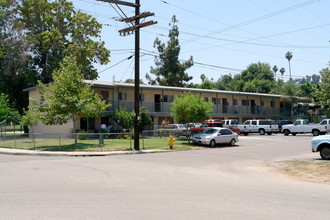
<point>314,170</point>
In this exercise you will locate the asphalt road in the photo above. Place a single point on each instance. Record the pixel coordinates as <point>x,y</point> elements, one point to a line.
<point>221,183</point>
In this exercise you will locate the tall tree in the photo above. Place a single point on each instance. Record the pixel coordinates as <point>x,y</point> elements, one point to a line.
<point>289,56</point>
<point>55,30</point>
<point>323,94</point>
<point>169,71</point>
<point>190,108</point>
<point>258,77</point>
<point>6,112</point>
<point>282,71</point>
<point>36,35</point>
<point>15,69</point>
<point>68,97</point>
<point>275,68</point>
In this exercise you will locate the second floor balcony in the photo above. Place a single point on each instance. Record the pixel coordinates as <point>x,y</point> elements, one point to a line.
<point>218,110</point>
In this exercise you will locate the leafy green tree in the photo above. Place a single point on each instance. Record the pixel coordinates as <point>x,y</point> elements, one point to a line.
<point>189,107</point>
<point>68,97</point>
<point>206,84</point>
<point>145,118</point>
<point>55,30</point>
<point>323,94</point>
<point>15,70</point>
<point>169,71</point>
<point>124,118</point>
<point>30,118</point>
<point>6,112</point>
<point>289,56</point>
<point>258,77</point>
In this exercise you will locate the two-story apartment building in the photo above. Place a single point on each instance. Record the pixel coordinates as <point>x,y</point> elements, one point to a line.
<point>158,101</point>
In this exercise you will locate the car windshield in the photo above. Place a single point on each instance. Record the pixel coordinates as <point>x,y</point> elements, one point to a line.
<point>182,126</point>
<point>211,131</point>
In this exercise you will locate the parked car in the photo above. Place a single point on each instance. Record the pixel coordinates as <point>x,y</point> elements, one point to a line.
<point>303,126</point>
<point>213,136</point>
<point>322,144</point>
<point>205,125</point>
<point>176,130</point>
<point>232,124</point>
<point>259,126</point>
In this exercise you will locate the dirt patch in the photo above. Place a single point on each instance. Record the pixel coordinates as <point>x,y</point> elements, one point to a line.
<point>313,170</point>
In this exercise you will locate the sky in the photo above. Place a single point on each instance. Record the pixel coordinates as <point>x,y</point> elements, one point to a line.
<point>223,37</point>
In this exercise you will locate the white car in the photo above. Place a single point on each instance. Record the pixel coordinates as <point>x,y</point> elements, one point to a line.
<point>322,144</point>
<point>213,136</point>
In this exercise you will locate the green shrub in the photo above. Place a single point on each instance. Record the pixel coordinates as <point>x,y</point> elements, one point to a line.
<point>82,135</point>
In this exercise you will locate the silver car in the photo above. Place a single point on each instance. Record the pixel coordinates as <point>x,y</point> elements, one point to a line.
<point>213,136</point>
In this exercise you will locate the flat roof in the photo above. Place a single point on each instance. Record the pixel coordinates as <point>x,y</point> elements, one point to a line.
<point>103,84</point>
<point>112,85</point>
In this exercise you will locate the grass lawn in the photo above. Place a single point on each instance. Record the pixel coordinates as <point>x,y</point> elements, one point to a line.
<point>53,144</point>
<point>314,170</point>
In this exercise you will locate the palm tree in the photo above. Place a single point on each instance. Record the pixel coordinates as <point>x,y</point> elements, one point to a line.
<point>275,70</point>
<point>288,56</point>
<point>282,70</point>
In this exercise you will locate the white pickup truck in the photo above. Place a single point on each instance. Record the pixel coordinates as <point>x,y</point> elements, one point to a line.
<point>259,126</point>
<point>303,126</point>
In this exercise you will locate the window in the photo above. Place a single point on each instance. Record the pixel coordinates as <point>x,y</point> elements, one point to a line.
<point>168,98</point>
<point>324,122</point>
<point>206,99</point>
<point>234,101</point>
<point>262,103</point>
<point>246,123</point>
<point>263,122</point>
<point>105,95</point>
<point>122,96</point>
<point>254,122</point>
<point>245,102</point>
<point>272,103</point>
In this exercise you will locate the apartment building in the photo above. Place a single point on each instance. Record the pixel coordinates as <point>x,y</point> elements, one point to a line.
<point>158,100</point>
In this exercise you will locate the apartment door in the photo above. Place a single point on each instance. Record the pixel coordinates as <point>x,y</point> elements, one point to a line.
<point>157,102</point>
<point>253,106</point>
<point>224,106</point>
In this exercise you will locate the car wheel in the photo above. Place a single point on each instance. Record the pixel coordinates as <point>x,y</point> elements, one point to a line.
<point>286,132</point>
<point>325,153</point>
<point>246,133</point>
<point>232,142</point>
<point>262,132</point>
<point>316,132</point>
<point>294,134</point>
<point>269,133</point>
<point>212,143</point>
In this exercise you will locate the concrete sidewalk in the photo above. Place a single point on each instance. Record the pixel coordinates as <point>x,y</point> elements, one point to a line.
<point>71,153</point>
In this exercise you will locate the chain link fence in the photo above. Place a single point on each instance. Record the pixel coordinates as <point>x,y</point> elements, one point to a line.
<point>149,139</point>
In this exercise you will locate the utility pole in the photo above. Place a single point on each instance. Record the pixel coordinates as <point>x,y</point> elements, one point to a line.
<point>125,32</point>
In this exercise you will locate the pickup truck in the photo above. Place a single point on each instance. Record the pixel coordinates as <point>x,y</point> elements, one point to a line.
<point>211,123</point>
<point>327,123</point>
<point>322,144</point>
<point>259,126</point>
<point>302,126</point>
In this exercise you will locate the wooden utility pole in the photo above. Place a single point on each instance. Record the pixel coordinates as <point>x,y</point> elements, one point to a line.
<point>125,32</point>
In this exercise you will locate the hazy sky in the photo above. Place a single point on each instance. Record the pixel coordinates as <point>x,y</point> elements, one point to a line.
<point>222,36</point>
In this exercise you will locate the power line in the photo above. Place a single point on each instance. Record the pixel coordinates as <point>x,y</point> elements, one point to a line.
<point>117,63</point>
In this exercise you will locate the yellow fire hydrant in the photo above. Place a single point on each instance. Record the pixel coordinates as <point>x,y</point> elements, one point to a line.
<point>171,141</point>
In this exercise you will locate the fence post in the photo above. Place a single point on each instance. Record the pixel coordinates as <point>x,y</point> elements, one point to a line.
<point>59,140</point>
<point>101,140</point>
<point>130,141</point>
<point>142,141</point>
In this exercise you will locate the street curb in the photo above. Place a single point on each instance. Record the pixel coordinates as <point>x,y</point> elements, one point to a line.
<point>73,154</point>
